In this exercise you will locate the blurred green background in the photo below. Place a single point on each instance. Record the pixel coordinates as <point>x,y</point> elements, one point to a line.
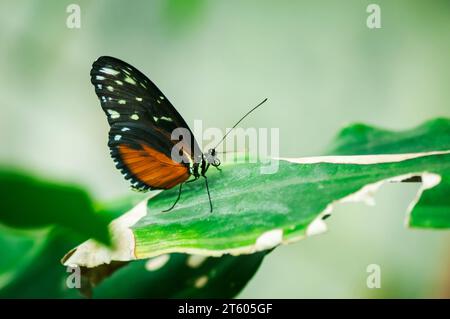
<point>316,61</point>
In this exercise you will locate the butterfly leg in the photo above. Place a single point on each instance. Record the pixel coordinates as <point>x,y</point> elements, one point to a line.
<point>209,196</point>
<point>192,180</point>
<point>178,198</point>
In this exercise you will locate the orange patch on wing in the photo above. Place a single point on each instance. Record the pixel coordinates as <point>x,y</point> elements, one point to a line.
<point>152,167</point>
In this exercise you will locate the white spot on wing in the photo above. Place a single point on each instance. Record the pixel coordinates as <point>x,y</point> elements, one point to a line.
<point>156,263</point>
<point>118,82</point>
<point>168,119</point>
<point>114,114</point>
<point>117,137</point>
<point>122,102</point>
<point>99,77</point>
<point>134,117</point>
<point>139,99</point>
<point>130,80</point>
<point>125,129</point>
<point>109,71</point>
<point>110,88</point>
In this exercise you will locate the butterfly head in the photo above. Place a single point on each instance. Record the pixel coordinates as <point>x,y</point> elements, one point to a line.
<point>211,157</point>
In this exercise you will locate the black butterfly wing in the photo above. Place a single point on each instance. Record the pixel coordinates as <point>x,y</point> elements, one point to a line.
<point>142,120</point>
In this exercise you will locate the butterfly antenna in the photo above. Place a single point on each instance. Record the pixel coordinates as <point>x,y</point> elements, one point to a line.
<point>237,123</point>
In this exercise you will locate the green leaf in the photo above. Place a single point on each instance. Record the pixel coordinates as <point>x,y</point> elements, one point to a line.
<point>180,276</point>
<point>432,209</point>
<point>30,268</point>
<point>19,248</point>
<point>255,211</point>
<point>361,139</point>
<point>35,203</point>
<point>39,274</point>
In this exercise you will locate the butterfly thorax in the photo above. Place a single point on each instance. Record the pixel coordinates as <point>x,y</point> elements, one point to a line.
<point>209,159</point>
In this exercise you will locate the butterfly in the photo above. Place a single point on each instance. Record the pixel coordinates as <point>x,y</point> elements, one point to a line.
<point>142,122</point>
